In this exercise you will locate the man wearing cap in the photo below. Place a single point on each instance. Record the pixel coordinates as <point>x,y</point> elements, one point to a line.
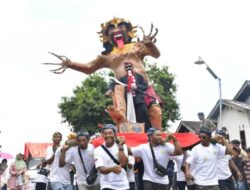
<point>73,155</point>
<point>204,158</point>
<point>236,143</point>
<point>112,175</point>
<point>162,152</point>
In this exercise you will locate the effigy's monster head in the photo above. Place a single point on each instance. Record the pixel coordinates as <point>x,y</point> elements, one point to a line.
<point>116,33</point>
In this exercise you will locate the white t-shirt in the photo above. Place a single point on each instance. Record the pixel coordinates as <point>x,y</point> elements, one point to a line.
<point>162,153</point>
<point>130,171</point>
<point>111,180</point>
<point>224,171</point>
<point>205,162</point>
<point>179,159</point>
<point>88,159</point>
<point>57,174</point>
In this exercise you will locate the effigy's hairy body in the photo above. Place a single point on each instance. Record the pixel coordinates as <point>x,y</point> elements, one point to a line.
<point>117,35</point>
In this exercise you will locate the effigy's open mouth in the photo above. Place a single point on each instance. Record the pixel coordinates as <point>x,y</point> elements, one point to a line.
<point>119,40</point>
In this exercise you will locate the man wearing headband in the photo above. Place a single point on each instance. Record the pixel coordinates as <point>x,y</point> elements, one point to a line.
<point>71,154</point>
<point>112,175</point>
<point>162,151</point>
<point>204,157</point>
<point>59,176</point>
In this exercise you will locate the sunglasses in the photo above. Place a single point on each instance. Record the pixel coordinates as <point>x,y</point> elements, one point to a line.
<point>202,137</point>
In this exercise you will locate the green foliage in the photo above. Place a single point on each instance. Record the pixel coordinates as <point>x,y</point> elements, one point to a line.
<point>86,108</point>
<point>164,85</point>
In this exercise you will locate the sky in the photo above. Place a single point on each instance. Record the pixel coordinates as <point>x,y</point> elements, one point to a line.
<point>218,31</point>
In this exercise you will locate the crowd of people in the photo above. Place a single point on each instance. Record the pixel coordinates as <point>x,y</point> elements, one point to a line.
<point>212,164</point>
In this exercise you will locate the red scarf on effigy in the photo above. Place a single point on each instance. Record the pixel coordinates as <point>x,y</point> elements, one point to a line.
<point>131,81</point>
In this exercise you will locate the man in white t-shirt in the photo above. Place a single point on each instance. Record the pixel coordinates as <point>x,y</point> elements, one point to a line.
<point>59,176</point>
<point>162,151</point>
<point>225,165</point>
<point>204,157</point>
<point>87,151</point>
<point>112,175</point>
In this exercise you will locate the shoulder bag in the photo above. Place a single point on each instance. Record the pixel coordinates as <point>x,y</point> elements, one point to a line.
<point>92,175</point>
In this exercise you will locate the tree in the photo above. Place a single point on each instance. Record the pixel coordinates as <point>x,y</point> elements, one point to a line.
<point>86,108</point>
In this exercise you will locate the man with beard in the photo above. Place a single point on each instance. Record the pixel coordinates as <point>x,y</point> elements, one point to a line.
<point>73,156</point>
<point>111,159</point>
<point>162,151</point>
<point>117,35</point>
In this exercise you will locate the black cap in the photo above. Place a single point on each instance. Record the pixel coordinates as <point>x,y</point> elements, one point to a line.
<point>220,132</point>
<point>151,131</point>
<point>235,141</point>
<point>206,131</point>
<point>82,133</point>
<point>110,126</point>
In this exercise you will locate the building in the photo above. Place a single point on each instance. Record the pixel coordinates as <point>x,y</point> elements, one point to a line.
<point>235,115</point>
<point>235,120</point>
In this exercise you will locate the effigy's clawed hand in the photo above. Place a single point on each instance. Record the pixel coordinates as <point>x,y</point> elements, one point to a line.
<point>151,36</point>
<point>65,62</point>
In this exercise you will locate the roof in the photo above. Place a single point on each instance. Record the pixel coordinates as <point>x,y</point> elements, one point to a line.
<point>237,102</point>
<point>35,149</point>
<point>243,93</point>
<point>229,103</point>
<point>188,126</point>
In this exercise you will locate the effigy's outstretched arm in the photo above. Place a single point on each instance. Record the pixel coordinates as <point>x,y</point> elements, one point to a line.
<point>87,68</point>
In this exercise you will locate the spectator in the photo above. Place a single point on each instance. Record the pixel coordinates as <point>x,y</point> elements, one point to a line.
<point>151,180</point>
<point>236,143</point>
<point>3,173</point>
<point>59,176</point>
<point>112,173</point>
<point>206,122</point>
<point>239,183</point>
<point>247,168</point>
<point>73,156</point>
<point>17,171</point>
<point>42,176</point>
<point>204,158</point>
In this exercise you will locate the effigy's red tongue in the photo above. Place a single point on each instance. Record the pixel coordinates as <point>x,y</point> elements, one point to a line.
<point>120,43</point>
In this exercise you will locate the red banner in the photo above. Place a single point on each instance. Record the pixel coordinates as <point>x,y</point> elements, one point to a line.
<point>135,139</point>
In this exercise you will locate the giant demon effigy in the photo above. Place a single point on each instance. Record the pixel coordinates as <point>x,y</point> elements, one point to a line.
<point>134,98</point>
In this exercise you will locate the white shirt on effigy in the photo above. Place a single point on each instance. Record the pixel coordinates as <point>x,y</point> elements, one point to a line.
<point>162,153</point>
<point>111,180</point>
<point>205,162</point>
<point>57,174</point>
<point>88,160</point>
